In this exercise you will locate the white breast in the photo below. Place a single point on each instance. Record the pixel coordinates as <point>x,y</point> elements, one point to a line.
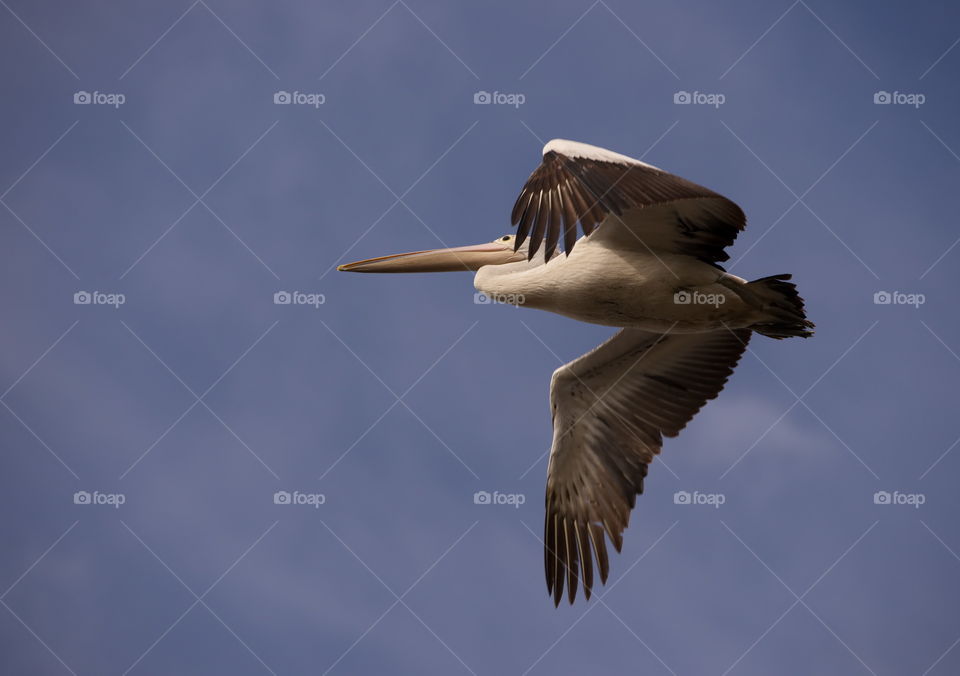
<point>592,284</point>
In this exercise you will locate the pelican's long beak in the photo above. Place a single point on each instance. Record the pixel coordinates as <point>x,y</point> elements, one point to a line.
<point>456,259</point>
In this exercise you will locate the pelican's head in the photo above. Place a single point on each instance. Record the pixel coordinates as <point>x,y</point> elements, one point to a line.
<point>455,259</point>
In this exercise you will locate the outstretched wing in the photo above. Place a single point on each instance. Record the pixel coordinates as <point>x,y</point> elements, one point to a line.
<point>611,407</point>
<point>637,204</point>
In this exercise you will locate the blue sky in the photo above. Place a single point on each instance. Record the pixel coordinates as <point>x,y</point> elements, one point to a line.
<point>183,190</point>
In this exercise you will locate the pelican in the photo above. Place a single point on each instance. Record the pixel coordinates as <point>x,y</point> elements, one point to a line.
<point>647,263</point>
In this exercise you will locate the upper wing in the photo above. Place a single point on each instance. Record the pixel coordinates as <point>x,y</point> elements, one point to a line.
<point>611,408</point>
<point>652,209</point>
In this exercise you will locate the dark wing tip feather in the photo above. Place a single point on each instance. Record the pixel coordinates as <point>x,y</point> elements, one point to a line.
<point>573,548</point>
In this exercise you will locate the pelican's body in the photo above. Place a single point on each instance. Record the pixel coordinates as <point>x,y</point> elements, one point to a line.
<point>648,262</point>
<point>635,289</point>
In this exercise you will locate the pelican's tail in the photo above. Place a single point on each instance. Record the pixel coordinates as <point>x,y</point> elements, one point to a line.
<point>782,307</point>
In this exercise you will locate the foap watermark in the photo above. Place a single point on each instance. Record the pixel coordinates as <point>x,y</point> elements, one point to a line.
<point>697,498</point>
<point>684,98</point>
<point>297,498</point>
<point>99,298</point>
<point>685,297</point>
<point>899,298</point>
<point>481,298</point>
<point>295,98</point>
<point>82,98</point>
<point>315,300</point>
<point>897,498</point>
<point>97,498</point>
<point>485,98</point>
<point>883,98</point>
<point>498,498</point>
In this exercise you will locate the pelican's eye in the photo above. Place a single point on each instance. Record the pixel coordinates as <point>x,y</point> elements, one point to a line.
<point>505,238</point>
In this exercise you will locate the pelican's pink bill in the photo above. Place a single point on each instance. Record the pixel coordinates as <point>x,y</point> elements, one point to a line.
<point>455,259</point>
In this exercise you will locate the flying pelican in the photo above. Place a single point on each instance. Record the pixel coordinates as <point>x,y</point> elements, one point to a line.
<point>648,262</point>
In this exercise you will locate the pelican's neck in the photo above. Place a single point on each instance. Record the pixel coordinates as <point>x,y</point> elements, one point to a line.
<point>511,278</point>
